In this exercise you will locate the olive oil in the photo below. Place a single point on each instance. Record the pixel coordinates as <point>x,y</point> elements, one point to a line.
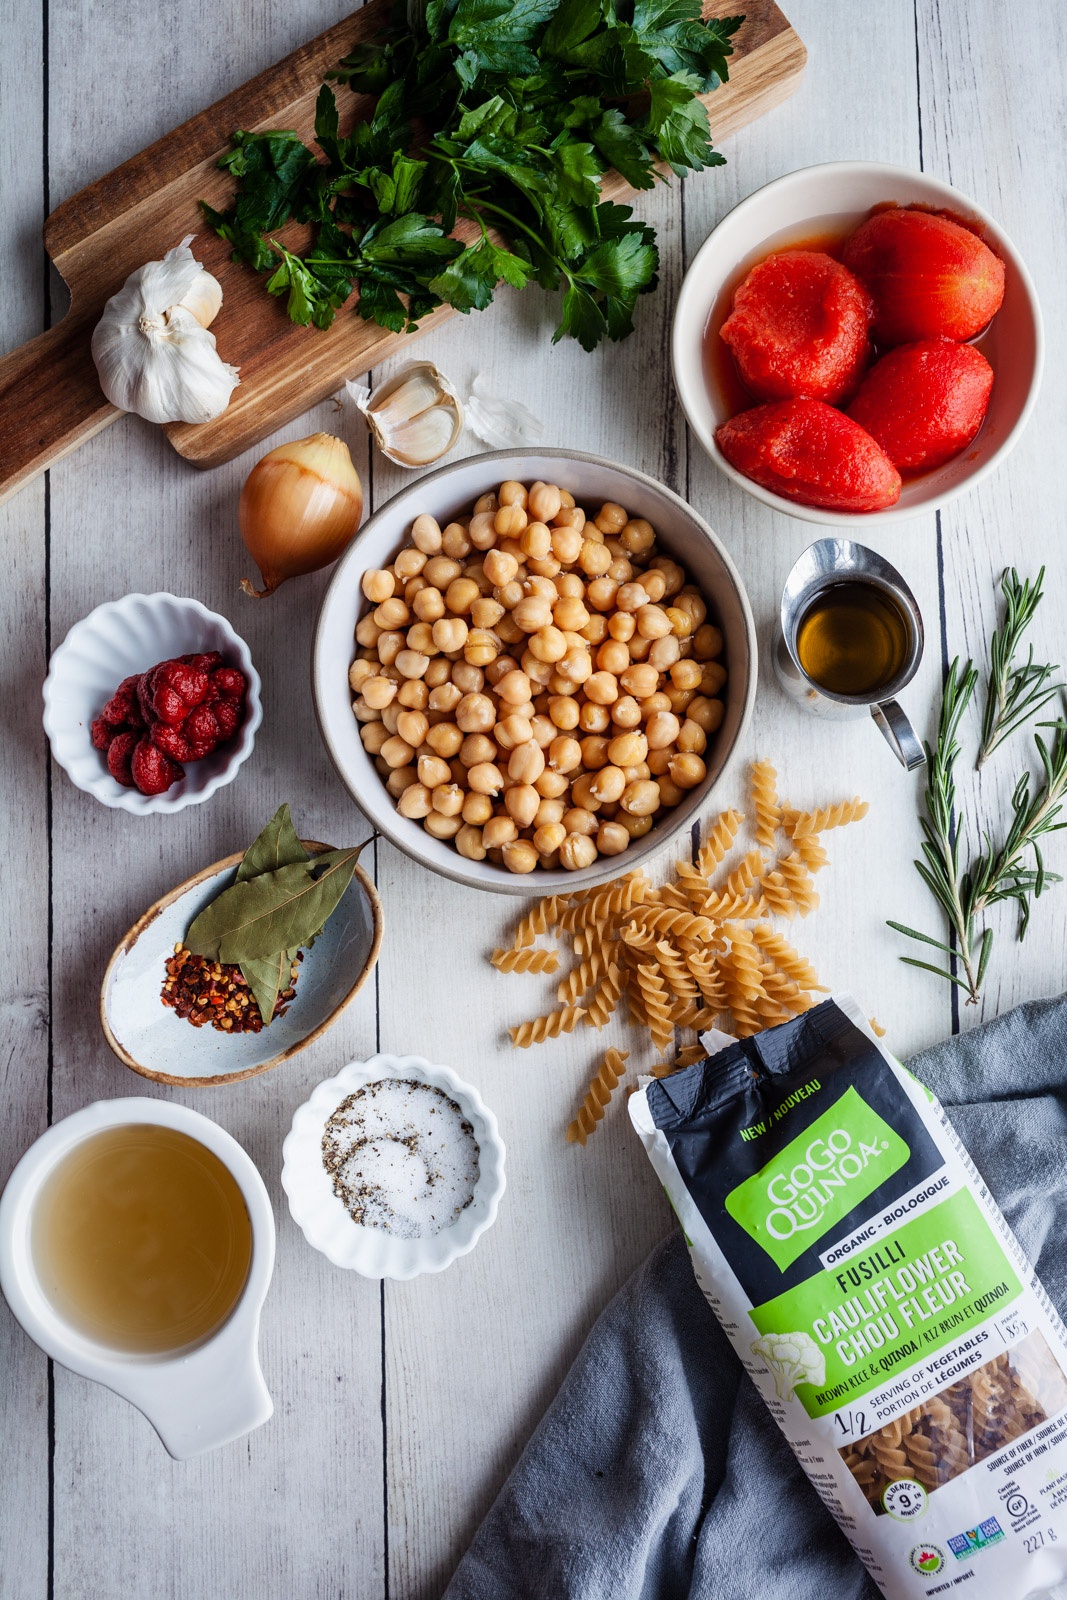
<point>853,639</point>
<point>141,1239</point>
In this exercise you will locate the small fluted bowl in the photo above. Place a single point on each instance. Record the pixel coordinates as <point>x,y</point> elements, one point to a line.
<point>116,640</point>
<point>322,1217</point>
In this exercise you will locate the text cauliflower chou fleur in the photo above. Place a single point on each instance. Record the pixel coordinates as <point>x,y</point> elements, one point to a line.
<point>793,1358</point>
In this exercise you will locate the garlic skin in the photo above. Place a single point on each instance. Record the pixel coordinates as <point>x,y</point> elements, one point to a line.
<point>415,416</point>
<point>153,352</point>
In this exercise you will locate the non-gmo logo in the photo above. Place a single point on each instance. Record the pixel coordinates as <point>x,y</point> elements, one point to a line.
<point>818,1178</point>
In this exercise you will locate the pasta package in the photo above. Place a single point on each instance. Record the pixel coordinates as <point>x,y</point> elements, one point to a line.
<point>878,1299</point>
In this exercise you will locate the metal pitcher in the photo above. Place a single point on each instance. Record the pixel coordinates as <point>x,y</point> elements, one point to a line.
<point>826,563</point>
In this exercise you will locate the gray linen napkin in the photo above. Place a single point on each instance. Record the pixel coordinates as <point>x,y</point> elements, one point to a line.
<point>657,1473</point>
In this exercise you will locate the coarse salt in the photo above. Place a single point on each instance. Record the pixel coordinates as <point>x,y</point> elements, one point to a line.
<point>402,1157</point>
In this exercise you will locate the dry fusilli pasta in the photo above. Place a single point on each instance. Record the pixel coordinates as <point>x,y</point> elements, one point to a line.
<point>547,1027</point>
<point>764,780</point>
<point>525,960</point>
<point>592,1108</point>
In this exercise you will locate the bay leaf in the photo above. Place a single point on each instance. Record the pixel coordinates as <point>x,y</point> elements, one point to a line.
<point>266,978</point>
<point>277,846</point>
<point>273,911</point>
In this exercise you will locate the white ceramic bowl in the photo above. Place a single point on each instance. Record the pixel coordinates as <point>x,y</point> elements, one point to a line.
<point>116,640</point>
<point>835,198</point>
<point>321,1216</point>
<point>444,494</point>
<point>196,1398</point>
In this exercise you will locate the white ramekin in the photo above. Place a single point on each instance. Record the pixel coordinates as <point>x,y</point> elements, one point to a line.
<point>196,1399</point>
<point>321,1216</point>
<point>113,642</point>
<point>838,195</point>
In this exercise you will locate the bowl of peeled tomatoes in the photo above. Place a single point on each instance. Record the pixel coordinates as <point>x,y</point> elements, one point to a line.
<point>857,340</point>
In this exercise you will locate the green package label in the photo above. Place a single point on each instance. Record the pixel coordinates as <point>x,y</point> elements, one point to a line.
<point>847,1330</point>
<point>839,1159</point>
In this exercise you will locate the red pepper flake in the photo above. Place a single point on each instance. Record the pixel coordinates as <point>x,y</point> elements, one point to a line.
<point>215,992</point>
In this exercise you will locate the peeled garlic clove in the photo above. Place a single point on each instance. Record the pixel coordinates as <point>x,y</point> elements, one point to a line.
<point>415,416</point>
<point>501,423</point>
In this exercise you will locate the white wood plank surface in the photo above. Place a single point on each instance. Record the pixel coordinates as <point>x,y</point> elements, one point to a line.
<point>400,1410</point>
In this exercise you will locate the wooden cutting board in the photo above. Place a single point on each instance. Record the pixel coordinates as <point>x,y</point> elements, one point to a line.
<point>50,400</point>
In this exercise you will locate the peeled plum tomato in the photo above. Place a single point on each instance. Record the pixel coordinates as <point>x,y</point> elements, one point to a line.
<point>930,277</point>
<point>807,451</point>
<point>923,402</point>
<point>799,327</point>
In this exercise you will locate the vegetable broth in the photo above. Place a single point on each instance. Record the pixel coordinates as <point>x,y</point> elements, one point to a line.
<point>141,1239</point>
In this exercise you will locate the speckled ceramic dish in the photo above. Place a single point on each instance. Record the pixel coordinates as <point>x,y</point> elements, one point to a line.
<point>322,1217</point>
<point>154,1041</point>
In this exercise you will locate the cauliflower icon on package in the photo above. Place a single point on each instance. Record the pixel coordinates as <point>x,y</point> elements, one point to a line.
<point>793,1358</point>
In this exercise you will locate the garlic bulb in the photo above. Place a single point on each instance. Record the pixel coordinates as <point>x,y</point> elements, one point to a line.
<point>153,352</point>
<point>415,416</point>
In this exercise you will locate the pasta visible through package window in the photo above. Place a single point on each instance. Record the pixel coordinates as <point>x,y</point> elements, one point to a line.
<point>964,1423</point>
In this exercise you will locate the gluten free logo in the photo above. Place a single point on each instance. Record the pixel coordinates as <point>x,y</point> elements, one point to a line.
<point>841,1158</point>
<point>927,1559</point>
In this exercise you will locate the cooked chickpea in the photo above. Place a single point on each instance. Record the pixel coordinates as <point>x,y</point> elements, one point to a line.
<point>486,612</point>
<point>378,584</point>
<point>481,531</point>
<point>658,761</point>
<point>444,739</point>
<point>409,563</point>
<point>687,769</point>
<point>429,604</point>
<point>669,792</point>
<point>475,713</point>
<point>419,638</point>
<point>578,850</point>
<point>469,842</point>
<point>500,568</point>
<point>594,718</point>
<point>477,747</point>
<point>510,521</point>
<point>536,541</point>
<point>655,702</point>
<point>594,558</point>
<point>499,831</point>
<point>577,664</point>
<point>467,678</point>
<point>433,771</point>
<point>626,713</point>
<point>416,801</point>
<point>412,726</point>
<point>488,501</point>
<point>358,673</point>
<point>563,711</point>
<point>602,688</point>
<point>613,657</point>
<point>712,677</point>
<point>367,630</point>
<point>521,802</point>
<point>389,716</point>
<point>389,647</point>
<point>378,692</point>
<point>608,784</point>
<point>437,673</point>
<point>440,571</point>
<point>396,752</point>
<point>679,698</point>
<point>566,543</point>
<point>414,694</point>
<point>426,534</point>
<point>548,837</point>
<point>520,855</point>
<point>393,613</point>
<point>411,663</point>
<point>373,736</point>
<point>526,762</point>
<point>455,541</point>
<point>514,687</point>
<point>448,799</point>
<point>707,642</point>
<point>692,737</point>
<point>569,613</point>
<point>564,754</point>
<point>542,728</point>
<point>627,749</point>
<point>544,502</point>
<point>481,647</point>
<point>611,839</point>
<point>532,613</point>
<point>477,808</point>
<point>442,827</point>
<point>444,699</point>
<point>686,674</point>
<point>450,634</point>
<point>663,653</point>
<point>512,493</point>
<point>640,798</point>
<point>662,729</point>
<point>708,714</point>
<point>569,517</point>
<point>681,622</point>
<point>485,778</point>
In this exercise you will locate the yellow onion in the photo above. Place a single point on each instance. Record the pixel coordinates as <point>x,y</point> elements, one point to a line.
<point>299,508</point>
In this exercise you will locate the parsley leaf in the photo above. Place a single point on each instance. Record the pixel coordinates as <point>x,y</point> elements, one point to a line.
<point>521,107</point>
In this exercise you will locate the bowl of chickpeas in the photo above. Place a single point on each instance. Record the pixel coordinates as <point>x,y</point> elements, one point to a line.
<point>530,669</point>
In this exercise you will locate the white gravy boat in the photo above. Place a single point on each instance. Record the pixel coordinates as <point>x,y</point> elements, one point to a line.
<point>199,1397</point>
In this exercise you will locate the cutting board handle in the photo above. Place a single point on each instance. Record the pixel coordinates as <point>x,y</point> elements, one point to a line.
<point>50,401</point>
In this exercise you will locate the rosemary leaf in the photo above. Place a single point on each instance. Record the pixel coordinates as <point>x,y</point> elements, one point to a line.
<point>1014,694</point>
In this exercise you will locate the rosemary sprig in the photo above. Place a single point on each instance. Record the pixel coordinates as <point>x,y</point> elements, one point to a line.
<point>996,873</point>
<point>1014,693</point>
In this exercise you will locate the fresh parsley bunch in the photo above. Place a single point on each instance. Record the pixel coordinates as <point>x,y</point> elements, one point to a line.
<point>516,108</point>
